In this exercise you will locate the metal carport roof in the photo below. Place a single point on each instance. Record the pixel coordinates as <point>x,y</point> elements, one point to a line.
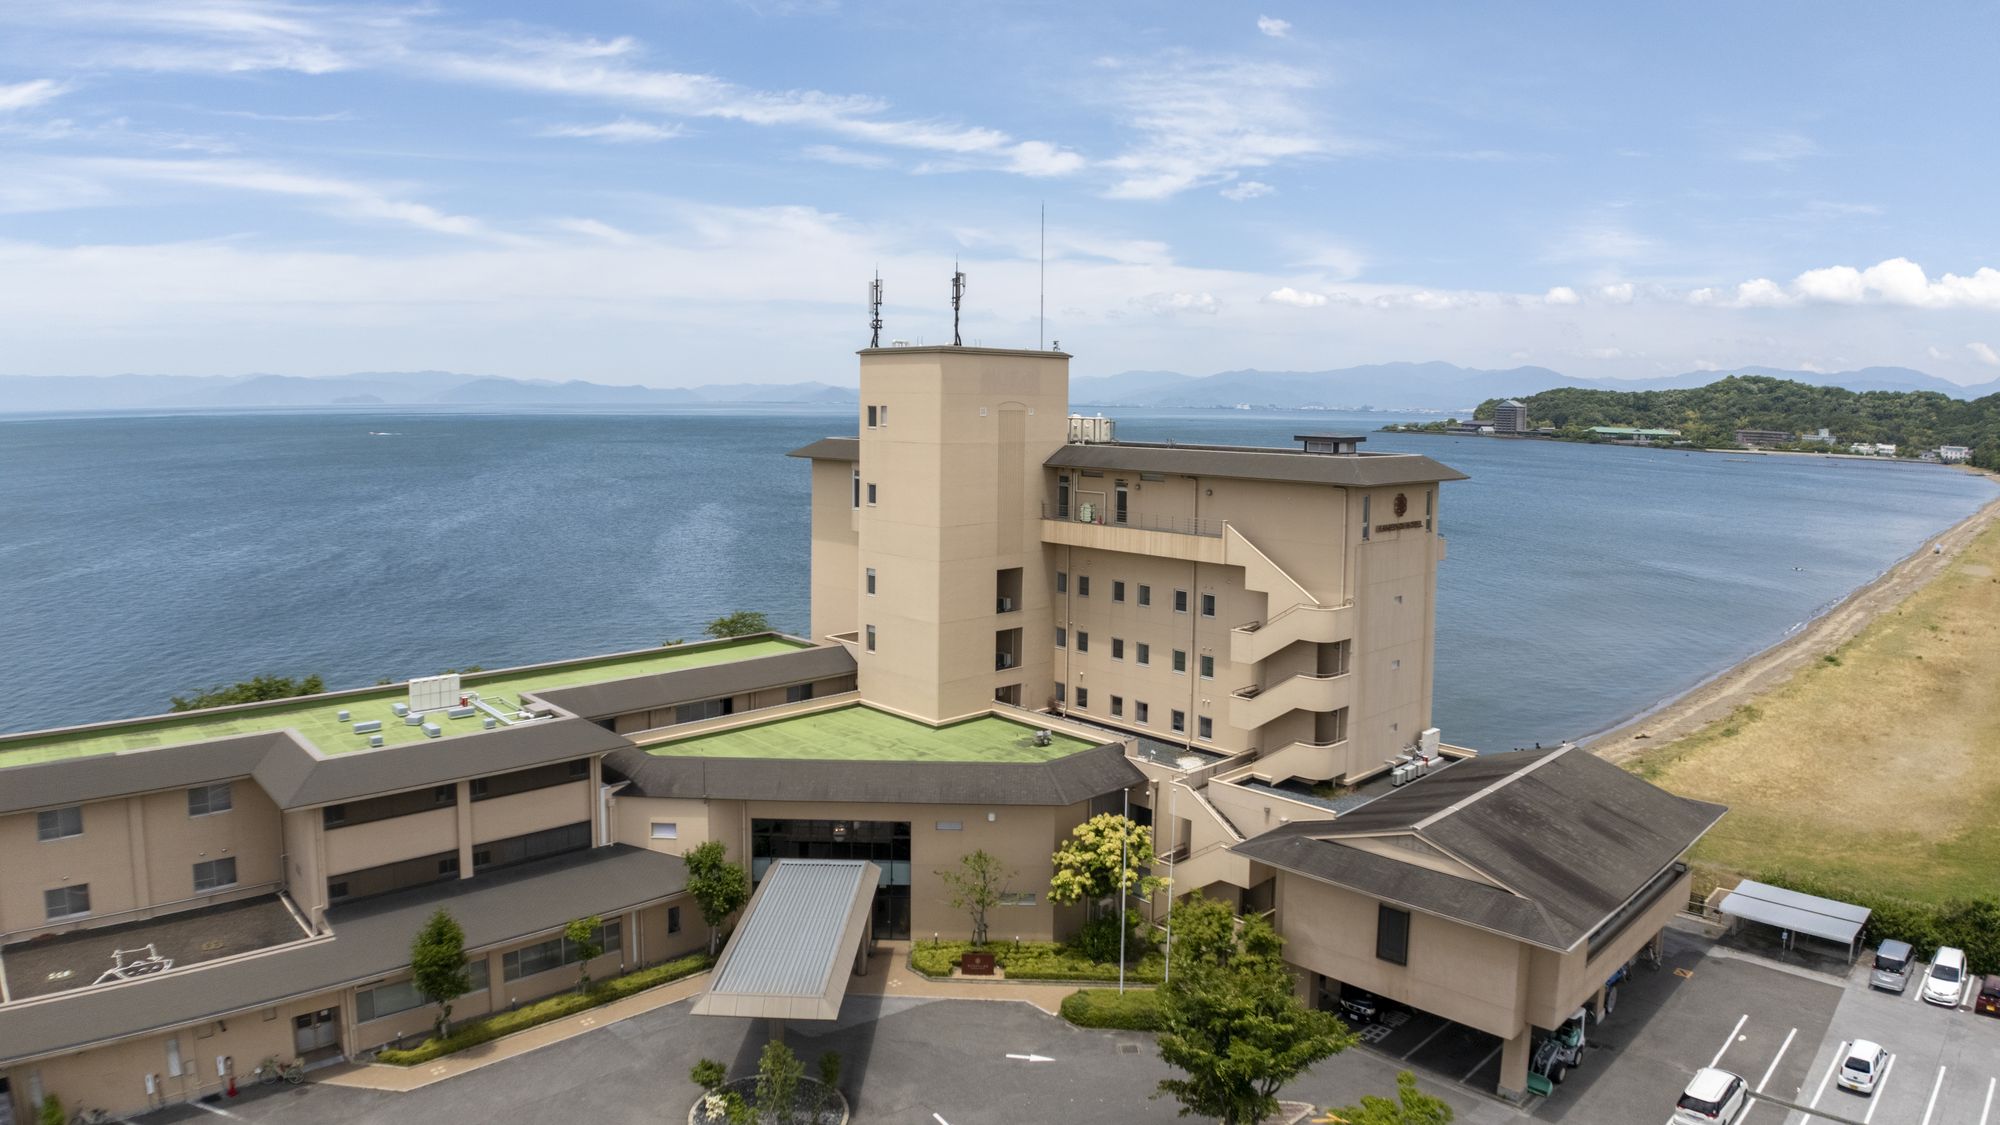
<point>1829,919</point>
<point>791,955</point>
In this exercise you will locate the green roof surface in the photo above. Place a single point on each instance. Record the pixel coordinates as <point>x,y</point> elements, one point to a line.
<point>861,734</point>
<point>317,717</point>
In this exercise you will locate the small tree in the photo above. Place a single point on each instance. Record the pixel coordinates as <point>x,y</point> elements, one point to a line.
<point>829,1081</point>
<point>437,965</point>
<point>709,1075</point>
<point>1411,1107</point>
<point>51,1112</point>
<point>1100,859</point>
<point>720,888</point>
<point>587,935</point>
<point>1232,1025</point>
<point>977,885</point>
<point>778,1074</point>
<point>742,623</point>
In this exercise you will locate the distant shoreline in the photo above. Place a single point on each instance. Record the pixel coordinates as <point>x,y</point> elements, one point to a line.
<point>1688,448</point>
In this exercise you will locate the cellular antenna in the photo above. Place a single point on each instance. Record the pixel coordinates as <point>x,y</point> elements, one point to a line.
<point>1042,287</point>
<point>957,293</point>
<point>875,311</point>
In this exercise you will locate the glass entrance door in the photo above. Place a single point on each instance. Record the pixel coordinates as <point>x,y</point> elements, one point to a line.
<point>886,842</point>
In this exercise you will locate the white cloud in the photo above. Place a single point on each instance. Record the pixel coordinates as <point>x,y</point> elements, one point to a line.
<point>1937,353</point>
<point>835,154</point>
<point>1246,189</point>
<point>1617,293</point>
<point>622,131</point>
<point>1983,353</point>
<point>1202,121</point>
<point>24,95</point>
<point>1561,295</point>
<point>1274,27</point>
<point>1203,303</point>
<point>1896,282</point>
<point>1297,298</point>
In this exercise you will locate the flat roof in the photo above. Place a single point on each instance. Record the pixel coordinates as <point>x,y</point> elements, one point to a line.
<point>316,718</point>
<point>1802,913</point>
<point>858,733</point>
<point>44,966</point>
<point>1344,470</point>
<point>791,956</point>
<point>686,685</point>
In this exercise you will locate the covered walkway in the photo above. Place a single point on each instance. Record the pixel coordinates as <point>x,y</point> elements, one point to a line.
<point>804,934</point>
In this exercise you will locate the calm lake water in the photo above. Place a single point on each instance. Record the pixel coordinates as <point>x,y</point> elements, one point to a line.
<point>143,556</point>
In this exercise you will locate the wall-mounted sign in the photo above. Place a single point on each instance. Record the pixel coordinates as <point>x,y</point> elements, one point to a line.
<point>1405,526</point>
<point>1402,504</point>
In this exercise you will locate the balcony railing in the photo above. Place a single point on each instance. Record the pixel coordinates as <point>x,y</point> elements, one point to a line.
<point>1138,521</point>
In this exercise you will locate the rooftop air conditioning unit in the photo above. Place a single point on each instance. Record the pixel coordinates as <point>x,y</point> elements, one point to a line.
<point>1402,775</point>
<point>1427,742</point>
<point>1043,737</point>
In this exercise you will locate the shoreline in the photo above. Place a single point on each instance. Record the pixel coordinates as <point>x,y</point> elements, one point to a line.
<point>1721,694</point>
<point>1809,453</point>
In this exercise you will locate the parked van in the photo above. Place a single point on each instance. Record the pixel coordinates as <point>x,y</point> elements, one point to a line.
<point>1988,1002</point>
<point>1892,966</point>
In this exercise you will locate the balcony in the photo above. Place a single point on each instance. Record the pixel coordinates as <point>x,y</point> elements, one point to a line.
<point>1252,707</point>
<point>1319,624</point>
<point>1174,537</point>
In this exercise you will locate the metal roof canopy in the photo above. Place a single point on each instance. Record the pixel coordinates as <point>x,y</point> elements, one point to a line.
<point>1829,919</point>
<point>789,957</point>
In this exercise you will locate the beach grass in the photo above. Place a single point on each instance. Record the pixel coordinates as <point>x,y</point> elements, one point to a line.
<point>1877,767</point>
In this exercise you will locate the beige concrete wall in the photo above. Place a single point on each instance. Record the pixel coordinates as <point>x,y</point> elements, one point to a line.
<point>836,573</point>
<point>520,813</point>
<point>632,821</point>
<point>1560,983</point>
<point>1395,637</point>
<point>385,841</point>
<point>305,862</point>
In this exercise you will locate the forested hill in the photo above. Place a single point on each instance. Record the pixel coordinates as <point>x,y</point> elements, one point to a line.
<point>1711,415</point>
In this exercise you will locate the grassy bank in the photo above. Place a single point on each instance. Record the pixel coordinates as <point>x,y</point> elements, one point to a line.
<point>1876,768</point>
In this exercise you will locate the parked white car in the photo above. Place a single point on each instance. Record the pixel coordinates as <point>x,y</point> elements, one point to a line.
<point>1862,1068</point>
<point>1944,981</point>
<point>1714,1097</point>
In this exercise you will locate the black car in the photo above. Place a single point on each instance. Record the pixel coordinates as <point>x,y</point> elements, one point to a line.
<point>1358,1005</point>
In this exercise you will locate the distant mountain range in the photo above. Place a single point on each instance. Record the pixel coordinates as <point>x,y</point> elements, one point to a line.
<point>27,393</point>
<point>1443,386</point>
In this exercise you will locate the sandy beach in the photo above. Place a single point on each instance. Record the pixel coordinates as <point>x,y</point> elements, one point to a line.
<point>1722,694</point>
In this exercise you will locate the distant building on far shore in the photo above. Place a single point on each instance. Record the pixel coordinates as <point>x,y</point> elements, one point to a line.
<point>1954,454</point>
<point>1634,434</point>
<point>1756,438</point>
<point>1510,417</point>
<point>1823,437</point>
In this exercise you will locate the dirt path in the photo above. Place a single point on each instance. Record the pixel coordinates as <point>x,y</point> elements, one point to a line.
<point>1717,697</point>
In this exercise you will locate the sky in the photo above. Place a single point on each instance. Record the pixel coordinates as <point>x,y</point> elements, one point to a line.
<point>684,193</point>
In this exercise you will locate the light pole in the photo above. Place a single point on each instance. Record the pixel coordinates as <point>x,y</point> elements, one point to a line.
<point>1173,823</point>
<point>1124,835</point>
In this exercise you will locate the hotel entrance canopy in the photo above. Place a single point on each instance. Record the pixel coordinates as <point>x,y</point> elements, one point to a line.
<point>1824,918</point>
<point>800,938</point>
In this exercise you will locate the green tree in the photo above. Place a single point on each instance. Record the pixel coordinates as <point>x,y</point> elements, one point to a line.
<point>437,965</point>
<point>742,623</point>
<point>977,885</point>
<point>254,690</point>
<point>720,888</point>
<point>709,1075</point>
<point>1232,1025</point>
<point>778,1074</point>
<point>51,1111</point>
<point>1102,858</point>
<point>1411,1107</point>
<point>587,935</point>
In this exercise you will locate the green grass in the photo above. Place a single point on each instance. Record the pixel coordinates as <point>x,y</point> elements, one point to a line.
<point>860,734</point>
<point>316,717</point>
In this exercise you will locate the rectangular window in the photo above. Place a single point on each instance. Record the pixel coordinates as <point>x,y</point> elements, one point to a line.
<point>1208,605</point>
<point>59,824</point>
<point>871,417</point>
<point>556,952</point>
<point>871,493</point>
<point>1180,601</point>
<point>1082,641</point>
<point>557,773</point>
<point>66,902</point>
<point>1062,496</point>
<point>950,826</point>
<point>1364,524</point>
<point>530,846</point>
<point>1062,637</point>
<point>1179,722</point>
<point>1139,712</point>
<point>1180,661</point>
<point>1117,706</point>
<point>885,414</point>
<point>1017,898</point>
<point>686,713</point>
<point>666,830</point>
<point>871,638</point>
<point>1117,590</point>
<point>1117,648</point>
<point>1392,934</point>
<point>1062,582</point>
<point>206,799</point>
<point>798,693</point>
<point>1145,594</point>
<point>1144,654</point>
<point>1204,727</point>
<point>673,919</point>
<point>212,874</point>
<point>1123,508</point>
<point>386,1000</point>
<point>857,488</point>
<point>871,581</point>
<point>1060,693</point>
<point>174,1064</point>
<point>1083,585</point>
<point>1207,667</point>
<point>1083,698</point>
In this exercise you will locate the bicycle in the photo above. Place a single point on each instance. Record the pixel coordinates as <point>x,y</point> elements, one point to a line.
<point>271,1071</point>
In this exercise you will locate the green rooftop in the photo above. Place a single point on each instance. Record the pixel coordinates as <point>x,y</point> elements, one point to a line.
<point>317,717</point>
<point>862,734</point>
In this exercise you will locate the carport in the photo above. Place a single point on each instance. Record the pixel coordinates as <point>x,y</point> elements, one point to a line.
<point>1793,912</point>
<point>804,932</point>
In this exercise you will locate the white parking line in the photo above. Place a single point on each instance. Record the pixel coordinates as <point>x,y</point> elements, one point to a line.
<point>1740,1020</point>
<point>1768,1071</point>
<point>1989,1100</point>
<point>1875,1101</point>
<point>1916,977</point>
<point>1932,1104</point>
<point>1838,1054</point>
<point>1426,1040</point>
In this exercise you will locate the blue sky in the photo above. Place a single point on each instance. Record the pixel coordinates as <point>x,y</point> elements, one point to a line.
<point>683,193</point>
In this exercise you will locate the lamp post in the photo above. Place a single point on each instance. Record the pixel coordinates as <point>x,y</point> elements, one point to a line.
<point>1124,835</point>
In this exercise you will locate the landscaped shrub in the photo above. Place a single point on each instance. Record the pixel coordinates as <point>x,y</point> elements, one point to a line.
<point>1035,960</point>
<point>1969,924</point>
<point>542,1011</point>
<point>1136,1010</point>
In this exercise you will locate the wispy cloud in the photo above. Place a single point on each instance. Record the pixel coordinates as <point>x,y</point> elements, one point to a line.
<point>1246,189</point>
<point>24,95</point>
<point>1274,27</point>
<point>835,154</point>
<point>1983,353</point>
<point>1204,120</point>
<point>625,130</point>
<point>286,118</point>
<point>349,198</point>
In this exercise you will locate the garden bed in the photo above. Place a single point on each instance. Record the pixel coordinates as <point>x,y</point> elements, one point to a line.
<point>1033,960</point>
<point>816,1103</point>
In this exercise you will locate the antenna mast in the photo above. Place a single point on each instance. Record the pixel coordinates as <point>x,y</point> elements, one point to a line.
<point>1042,287</point>
<point>957,292</point>
<point>875,311</point>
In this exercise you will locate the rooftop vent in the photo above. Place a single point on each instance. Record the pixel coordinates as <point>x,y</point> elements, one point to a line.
<point>1330,443</point>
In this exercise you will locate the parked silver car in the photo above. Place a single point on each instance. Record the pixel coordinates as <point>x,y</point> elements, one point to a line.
<point>1892,966</point>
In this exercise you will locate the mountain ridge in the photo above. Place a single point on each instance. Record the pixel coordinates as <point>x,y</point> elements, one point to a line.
<point>34,393</point>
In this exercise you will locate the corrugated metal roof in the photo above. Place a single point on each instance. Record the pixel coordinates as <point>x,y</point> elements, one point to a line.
<point>830,449</point>
<point>1792,910</point>
<point>794,951</point>
<point>1357,470</point>
<point>711,681</point>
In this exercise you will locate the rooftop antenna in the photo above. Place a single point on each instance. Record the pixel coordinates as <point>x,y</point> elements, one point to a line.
<point>1042,286</point>
<point>875,311</point>
<point>957,292</point>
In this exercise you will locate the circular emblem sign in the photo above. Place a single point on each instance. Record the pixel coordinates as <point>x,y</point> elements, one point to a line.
<point>1402,504</point>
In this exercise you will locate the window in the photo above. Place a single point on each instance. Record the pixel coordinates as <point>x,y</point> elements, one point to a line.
<point>211,874</point>
<point>1179,722</point>
<point>1207,667</point>
<point>1082,641</point>
<point>673,919</point>
<point>871,493</point>
<point>950,826</point>
<point>1145,653</point>
<point>1060,690</point>
<point>871,417</point>
<point>1117,706</point>
<point>1062,582</point>
<point>885,414</point>
<point>564,773</point>
<point>871,581</point>
<point>798,693</point>
<point>1083,585</point>
<point>206,799</point>
<point>386,1000</point>
<point>1083,697</point>
<point>1117,648</point>
<point>1139,712</point>
<point>1145,594</point>
<point>1062,637</point>
<point>1204,727</point>
<point>66,902</point>
<point>702,709</point>
<point>174,1064</point>
<point>448,866</point>
<point>1208,605</point>
<point>1062,496</point>
<point>59,824</point>
<point>1117,590</point>
<point>666,830</point>
<point>1180,601</point>
<point>871,638</point>
<point>532,845</point>
<point>1017,898</point>
<point>1123,509</point>
<point>1392,934</point>
<point>556,952</point>
<point>857,488</point>
<point>1180,661</point>
<point>1364,521</point>
<point>336,890</point>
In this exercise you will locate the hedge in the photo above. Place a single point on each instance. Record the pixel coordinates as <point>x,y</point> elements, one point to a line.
<point>1035,960</point>
<point>542,1011</point>
<point>1137,1010</point>
<point>1969,924</point>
